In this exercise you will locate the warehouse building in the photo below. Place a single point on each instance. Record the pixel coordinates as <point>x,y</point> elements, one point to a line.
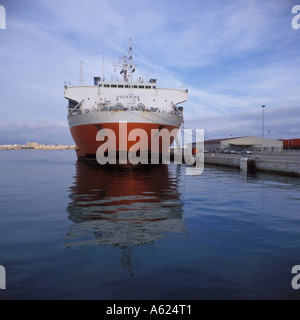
<point>254,144</point>
<point>291,144</point>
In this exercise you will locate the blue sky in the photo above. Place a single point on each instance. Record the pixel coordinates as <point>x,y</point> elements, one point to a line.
<point>233,56</point>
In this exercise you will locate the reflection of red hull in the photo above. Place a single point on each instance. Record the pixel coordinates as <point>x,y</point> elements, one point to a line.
<point>122,186</point>
<point>119,193</point>
<point>87,145</point>
<point>124,206</point>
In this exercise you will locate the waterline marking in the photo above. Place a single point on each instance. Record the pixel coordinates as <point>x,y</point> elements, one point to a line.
<point>2,17</point>
<point>295,20</point>
<point>159,142</point>
<point>2,277</point>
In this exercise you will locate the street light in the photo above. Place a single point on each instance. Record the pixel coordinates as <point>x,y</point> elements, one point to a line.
<point>269,133</point>
<point>263,124</point>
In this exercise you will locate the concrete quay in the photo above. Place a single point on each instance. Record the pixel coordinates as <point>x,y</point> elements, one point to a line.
<point>283,163</point>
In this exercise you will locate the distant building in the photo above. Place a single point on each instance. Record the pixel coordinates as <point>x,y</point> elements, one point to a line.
<point>32,145</point>
<point>291,144</point>
<point>255,144</point>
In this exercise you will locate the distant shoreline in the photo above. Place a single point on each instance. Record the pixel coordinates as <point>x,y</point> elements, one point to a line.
<point>36,146</point>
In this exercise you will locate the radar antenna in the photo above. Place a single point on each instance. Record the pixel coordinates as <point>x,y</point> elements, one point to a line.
<point>126,69</point>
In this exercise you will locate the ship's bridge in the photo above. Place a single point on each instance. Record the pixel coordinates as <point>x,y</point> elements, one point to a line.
<point>140,84</point>
<point>124,94</point>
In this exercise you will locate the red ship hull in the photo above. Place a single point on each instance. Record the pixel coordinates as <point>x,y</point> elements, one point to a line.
<point>87,144</point>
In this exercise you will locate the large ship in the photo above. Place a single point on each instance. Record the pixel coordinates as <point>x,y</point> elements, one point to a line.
<point>128,105</point>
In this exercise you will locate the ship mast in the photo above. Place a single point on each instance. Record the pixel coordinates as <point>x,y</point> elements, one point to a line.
<point>80,82</point>
<point>125,63</point>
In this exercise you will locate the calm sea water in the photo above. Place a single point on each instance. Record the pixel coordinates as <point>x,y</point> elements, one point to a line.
<point>75,230</point>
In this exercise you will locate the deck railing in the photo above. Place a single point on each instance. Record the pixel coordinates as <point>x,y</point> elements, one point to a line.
<point>120,108</point>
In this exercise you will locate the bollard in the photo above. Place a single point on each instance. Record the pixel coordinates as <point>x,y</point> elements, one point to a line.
<point>247,165</point>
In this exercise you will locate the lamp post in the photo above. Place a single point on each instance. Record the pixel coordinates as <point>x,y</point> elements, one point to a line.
<point>263,123</point>
<point>269,133</point>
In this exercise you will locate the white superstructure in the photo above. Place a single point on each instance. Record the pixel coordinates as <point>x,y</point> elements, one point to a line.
<point>106,103</point>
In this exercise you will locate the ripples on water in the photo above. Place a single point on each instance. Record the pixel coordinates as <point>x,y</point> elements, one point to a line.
<point>75,230</point>
<point>123,205</point>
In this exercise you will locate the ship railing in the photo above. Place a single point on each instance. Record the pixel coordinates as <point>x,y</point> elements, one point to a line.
<point>67,83</point>
<point>120,108</point>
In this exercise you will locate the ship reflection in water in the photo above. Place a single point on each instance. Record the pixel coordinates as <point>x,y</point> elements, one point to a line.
<point>124,206</point>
